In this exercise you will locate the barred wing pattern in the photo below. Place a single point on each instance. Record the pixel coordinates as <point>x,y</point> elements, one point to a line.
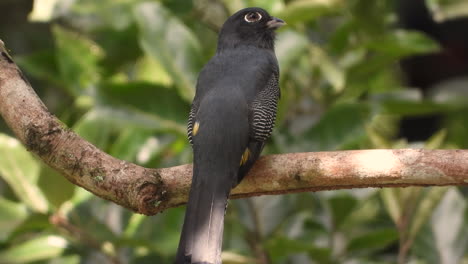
<point>190,123</point>
<point>264,110</point>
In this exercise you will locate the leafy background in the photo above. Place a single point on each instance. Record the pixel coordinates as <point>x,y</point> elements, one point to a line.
<point>121,73</point>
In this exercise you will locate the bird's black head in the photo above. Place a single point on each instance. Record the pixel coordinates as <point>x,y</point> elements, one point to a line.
<point>249,26</point>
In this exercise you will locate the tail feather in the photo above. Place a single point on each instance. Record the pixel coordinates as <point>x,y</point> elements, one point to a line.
<point>202,233</point>
<point>209,232</point>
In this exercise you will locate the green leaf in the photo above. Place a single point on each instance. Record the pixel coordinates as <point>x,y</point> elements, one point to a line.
<point>374,240</point>
<point>402,43</point>
<point>413,106</point>
<point>11,215</point>
<point>128,143</point>
<point>300,11</point>
<point>457,128</point>
<point>160,151</point>
<point>166,239</point>
<point>33,223</point>
<point>270,212</point>
<point>133,224</point>
<point>366,211</point>
<point>140,145</point>
<point>437,140</point>
<point>449,9</point>
<point>401,201</point>
<point>41,65</point>
<point>269,5</point>
<point>162,102</point>
<point>95,127</point>
<point>424,246</point>
<point>340,125</point>
<point>73,259</point>
<point>170,42</point>
<point>150,70</point>
<point>56,188</point>
<point>425,209</point>
<point>116,15</point>
<point>77,59</point>
<point>330,70</point>
<point>102,219</point>
<point>100,124</point>
<point>391,203</point>
<point>322,255</point>
<point>36,249</point>
<point>280,247</point>
<point>79,198</point>
<point>341,207</point>
<point>19,169</point>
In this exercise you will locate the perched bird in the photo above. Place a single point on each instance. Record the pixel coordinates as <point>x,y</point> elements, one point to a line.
<point>232,115</point>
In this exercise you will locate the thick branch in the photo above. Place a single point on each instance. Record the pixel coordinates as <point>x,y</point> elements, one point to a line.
<point>150,191</point>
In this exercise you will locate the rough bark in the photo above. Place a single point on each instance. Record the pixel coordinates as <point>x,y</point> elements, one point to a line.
<point>149,191</point>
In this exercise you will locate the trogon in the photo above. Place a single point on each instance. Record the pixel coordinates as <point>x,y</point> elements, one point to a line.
<point>232,115</point>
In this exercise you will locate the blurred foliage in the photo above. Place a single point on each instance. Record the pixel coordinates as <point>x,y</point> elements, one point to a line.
<point>122,74</point>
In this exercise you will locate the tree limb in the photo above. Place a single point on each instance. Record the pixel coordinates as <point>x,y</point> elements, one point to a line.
<point>149,191</point>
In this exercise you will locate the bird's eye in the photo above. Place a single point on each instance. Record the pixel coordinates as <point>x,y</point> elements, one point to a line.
<point>253,17</point>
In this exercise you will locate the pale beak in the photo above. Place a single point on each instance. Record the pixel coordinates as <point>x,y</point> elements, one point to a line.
<point>275,23</point>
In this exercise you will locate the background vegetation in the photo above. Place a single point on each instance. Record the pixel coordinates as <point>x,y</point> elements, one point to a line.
<point>122,73</point>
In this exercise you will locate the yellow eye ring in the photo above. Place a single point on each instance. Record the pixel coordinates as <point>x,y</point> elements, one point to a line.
<point>252,17</point>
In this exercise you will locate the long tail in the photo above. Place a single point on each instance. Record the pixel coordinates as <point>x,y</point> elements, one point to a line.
<point>218,147</point>
<point>202,233</point>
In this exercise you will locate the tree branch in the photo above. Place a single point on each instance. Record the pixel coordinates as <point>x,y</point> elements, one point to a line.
<point>149,191</point>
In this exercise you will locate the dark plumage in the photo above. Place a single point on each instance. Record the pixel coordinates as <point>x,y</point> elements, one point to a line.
<point>232,115</point>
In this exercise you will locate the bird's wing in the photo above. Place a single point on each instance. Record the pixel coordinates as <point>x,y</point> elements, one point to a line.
<point>263,109</point>
<point>262,120</point>
<point>190,123</point>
